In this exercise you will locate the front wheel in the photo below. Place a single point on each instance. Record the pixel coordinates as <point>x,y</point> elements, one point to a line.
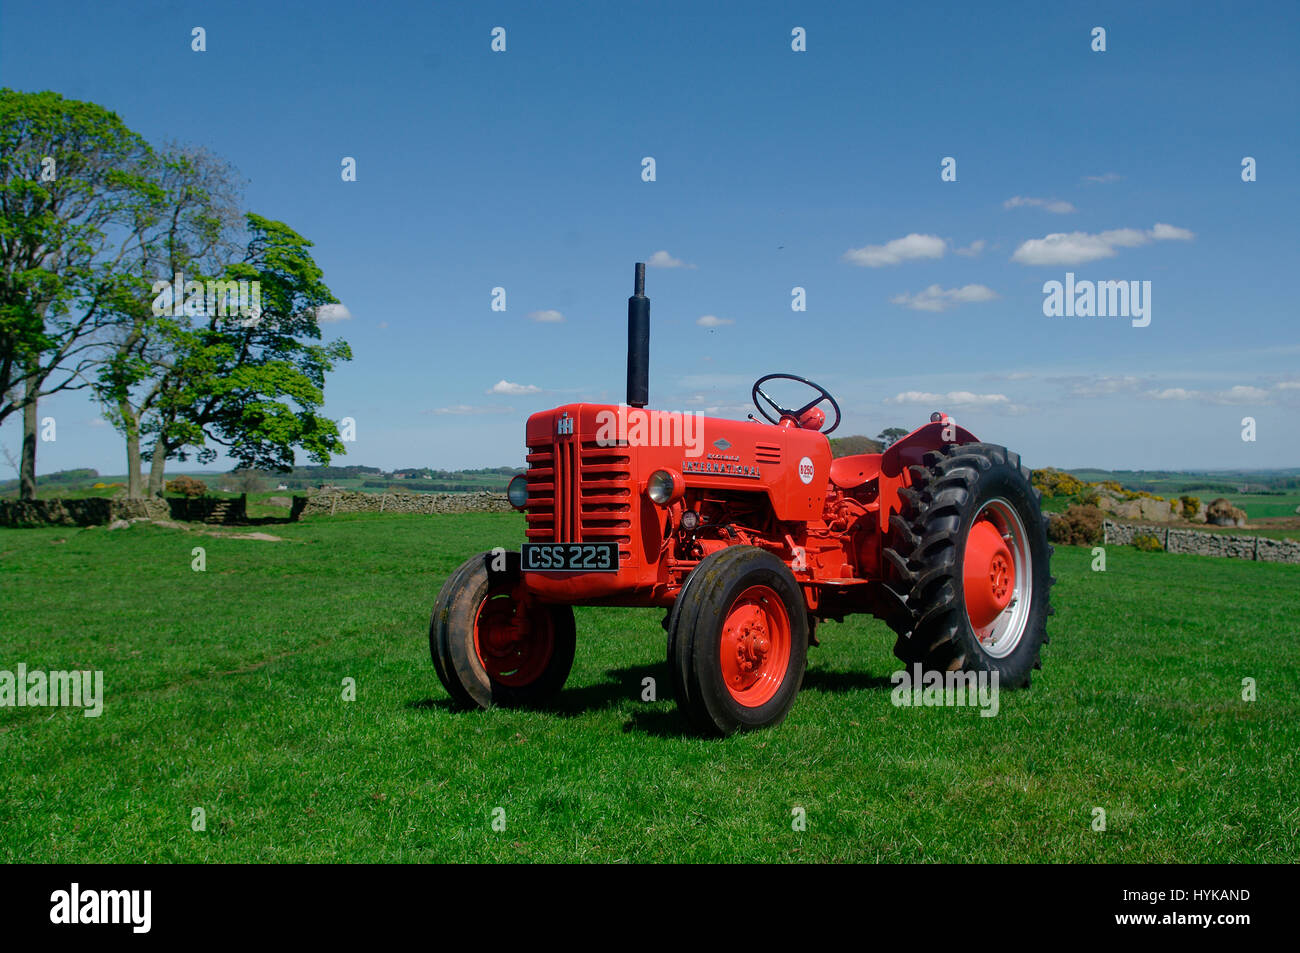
<point>738,641</point>
<point>492,643</point>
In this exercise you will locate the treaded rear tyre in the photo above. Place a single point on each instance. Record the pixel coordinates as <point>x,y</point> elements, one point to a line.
<point>955,489</point>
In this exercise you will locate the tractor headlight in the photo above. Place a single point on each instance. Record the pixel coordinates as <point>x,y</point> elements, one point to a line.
<point>517,492</point>
<point>665,486</point>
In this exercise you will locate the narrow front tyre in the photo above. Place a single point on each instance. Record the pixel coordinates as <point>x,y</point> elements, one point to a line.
<point>492,643</point>
<point>738,641</point>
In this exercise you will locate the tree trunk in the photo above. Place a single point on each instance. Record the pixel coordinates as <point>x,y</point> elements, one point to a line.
<point>157,464</point>
<point>131,424</point>
<point>27,466</point>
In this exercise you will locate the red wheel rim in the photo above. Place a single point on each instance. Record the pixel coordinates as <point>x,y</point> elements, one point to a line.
<point>988,574</point>
<point>513,644</point>
<point>755,648</point>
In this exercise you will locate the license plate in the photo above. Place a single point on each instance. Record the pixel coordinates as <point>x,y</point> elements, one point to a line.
<point>570,557</point>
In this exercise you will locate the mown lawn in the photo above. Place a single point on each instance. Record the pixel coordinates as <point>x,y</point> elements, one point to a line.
<point>224,692</point>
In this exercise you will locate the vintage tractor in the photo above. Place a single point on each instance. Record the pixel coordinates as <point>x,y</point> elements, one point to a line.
<point>749,534</point>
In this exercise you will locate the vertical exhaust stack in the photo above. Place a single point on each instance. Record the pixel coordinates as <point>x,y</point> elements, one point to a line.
<point>638,342</point>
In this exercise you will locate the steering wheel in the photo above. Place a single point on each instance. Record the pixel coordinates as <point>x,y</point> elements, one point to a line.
<point>822,394</point>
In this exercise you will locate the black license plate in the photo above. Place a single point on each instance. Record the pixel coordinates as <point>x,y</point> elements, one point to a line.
<point>570,557</point>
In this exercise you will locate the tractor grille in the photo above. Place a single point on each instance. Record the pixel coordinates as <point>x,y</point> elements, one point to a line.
<point>767,453</point>
<point>580,491</point>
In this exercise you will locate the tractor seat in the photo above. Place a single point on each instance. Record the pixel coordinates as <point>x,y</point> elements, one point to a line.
<point>853,471</point>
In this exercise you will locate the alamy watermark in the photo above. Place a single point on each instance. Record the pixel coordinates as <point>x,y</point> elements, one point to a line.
<point>176,297</point>
<point>1101,299</point>
<point>635,427</point>
<point>932,689</point>
<point>37,689</point>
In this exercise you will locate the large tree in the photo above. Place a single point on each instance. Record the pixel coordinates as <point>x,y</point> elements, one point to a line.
<point>191,229</point>
<point>253,385</point>
<point>72,180</point>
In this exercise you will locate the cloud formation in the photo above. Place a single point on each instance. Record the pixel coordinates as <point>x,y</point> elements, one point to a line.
<point>661,259</point>
<point>908,248</point>
<point>935,298</point>
<point>1056,206</point>
<point>1077,248</point>
<point>507,387</point>
<point>712,321</point>
<point>333,313</point>
<point>549,316</point>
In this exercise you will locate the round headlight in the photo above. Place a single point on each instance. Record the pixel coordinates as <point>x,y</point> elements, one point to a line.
<point>661,487</point>
<point>690,521</point>
<point>517,492</point>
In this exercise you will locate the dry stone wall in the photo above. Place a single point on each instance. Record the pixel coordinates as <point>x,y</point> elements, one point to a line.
<point>344,501</point>
<point>1206,544</point>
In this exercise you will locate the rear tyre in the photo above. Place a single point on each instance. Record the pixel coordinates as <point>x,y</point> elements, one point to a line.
<point>738,641</point>
<point>492,644</point>
<point>970,553</point>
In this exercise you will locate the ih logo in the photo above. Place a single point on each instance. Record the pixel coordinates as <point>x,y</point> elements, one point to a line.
<point>564,425</point>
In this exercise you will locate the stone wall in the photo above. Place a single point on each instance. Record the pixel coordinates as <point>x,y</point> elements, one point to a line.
<point>94,511</point>
<point>100,510</point>
<point>1206,544</point>
<point>343,501</point>
<point>210,509</point>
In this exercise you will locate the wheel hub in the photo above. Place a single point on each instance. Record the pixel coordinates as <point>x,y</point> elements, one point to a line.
<point>755,646</point>
<point>988,573</point>
<point>752,646</point>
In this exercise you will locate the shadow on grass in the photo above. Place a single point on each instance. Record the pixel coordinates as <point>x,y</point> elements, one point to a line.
<point>820,680</point>
<point>626,685</point>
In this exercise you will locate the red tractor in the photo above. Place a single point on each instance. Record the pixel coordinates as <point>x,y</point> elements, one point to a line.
<point>749,534</point>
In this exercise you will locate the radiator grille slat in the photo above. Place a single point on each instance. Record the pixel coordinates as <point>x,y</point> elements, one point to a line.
<point>579,491</point>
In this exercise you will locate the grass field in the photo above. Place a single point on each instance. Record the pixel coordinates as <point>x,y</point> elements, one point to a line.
<point>223,692</point>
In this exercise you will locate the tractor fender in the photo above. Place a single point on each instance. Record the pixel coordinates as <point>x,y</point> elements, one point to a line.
<point>910,450</point>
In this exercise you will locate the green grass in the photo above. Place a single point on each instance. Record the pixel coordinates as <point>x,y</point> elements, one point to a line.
<point>224,692</point>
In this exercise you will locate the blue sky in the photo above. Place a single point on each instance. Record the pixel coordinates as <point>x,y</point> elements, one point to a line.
<point>775,169</point>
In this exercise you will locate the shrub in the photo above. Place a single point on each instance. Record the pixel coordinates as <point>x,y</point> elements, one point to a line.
<point>1190,505</point>
<point>1147,543</point>
<point>187,486</point>
<point>1079,525</point>
<point>1222,513</point>
<point>1051,482</point>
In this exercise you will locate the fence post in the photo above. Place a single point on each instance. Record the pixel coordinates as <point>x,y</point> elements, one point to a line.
<point>383,498</point>
<point>334,504</point>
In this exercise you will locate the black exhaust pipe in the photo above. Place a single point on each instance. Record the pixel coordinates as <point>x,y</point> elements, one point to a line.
<point>638,342</point>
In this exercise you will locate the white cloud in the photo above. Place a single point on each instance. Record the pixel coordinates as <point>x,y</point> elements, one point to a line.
<point>899,250</point>
<point>1103,386</point>
<point>712,321</point>
<point>332,313</point>
<point>1077,248</point>
<point>506,387</point>
<point>957,398</point>
<point>1104,179</point>
<point>1240,394</point>
<point>1289,385</point>
<point>935,298</point>
<point>1058,206</point>
<point>1163,231</point>
<point>549,316</point>
<point>465,410</point>
<point>661,259</point>
<point>972,250</point>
